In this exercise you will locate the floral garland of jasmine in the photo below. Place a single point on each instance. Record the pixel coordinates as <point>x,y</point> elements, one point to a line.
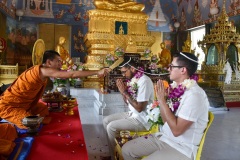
<point>132,86</point>
<point>176,91</point>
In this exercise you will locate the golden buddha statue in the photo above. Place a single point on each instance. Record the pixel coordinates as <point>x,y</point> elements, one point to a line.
<point>165,56</point>
<point>187,45</point>
<point>131,47</point>
<point>66,58</point>
<point>121,30</point>
<point>119,5</point>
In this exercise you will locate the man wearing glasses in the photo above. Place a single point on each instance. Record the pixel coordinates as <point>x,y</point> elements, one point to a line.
<point>137,93</point>
<point>184,113</point>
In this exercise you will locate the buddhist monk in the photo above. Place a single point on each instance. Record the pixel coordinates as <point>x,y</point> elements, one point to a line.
<point>21,99</point>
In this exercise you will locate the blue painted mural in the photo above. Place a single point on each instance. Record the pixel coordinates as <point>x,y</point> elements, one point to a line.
<point>162,15</point>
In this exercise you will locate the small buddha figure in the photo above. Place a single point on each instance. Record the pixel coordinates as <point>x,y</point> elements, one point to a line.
<point>63,52</point>
<point>187,45</point>
<point>165,56</point>
<point>131,47</point>
<point>121,31</point>
<point>120,5</point>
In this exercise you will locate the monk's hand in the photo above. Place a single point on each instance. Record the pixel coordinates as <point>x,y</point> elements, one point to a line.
<point>103,72</point>
<point>160,92</point>
<point>121,86</point>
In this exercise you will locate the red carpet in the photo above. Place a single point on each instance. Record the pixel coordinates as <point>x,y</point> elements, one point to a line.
<point>61,139</point>
<point>232,104</point>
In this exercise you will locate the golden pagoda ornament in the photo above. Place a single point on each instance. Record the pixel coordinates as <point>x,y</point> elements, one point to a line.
<point>220,45</point>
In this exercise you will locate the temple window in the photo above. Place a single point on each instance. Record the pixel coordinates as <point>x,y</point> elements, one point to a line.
<point>197,34</point>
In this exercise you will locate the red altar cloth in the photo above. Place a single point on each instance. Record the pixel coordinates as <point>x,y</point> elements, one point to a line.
<point>61,139</point>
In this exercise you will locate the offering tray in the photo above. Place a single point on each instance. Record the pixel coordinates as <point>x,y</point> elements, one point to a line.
<point>54,105</point>
<point>54,101</point>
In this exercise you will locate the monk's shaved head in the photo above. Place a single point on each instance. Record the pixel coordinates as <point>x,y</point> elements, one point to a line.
<point>49,54</point>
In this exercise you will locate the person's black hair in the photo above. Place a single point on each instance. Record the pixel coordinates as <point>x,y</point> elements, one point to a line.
<point>49,54</point>
<point>127,63</point>
<point>189,64</point>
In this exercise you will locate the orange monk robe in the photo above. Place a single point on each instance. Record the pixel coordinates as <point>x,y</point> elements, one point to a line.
<point>21,99</point>
<point>8,134</point>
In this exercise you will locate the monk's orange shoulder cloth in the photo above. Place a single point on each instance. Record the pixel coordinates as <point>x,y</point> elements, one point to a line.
<point>22,95</point>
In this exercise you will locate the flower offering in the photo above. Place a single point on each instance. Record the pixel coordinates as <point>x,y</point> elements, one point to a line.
<point>153,111</point>
<point>154,59</point>
<point>147,53</point>
<point>109,59</point>
<point>119,51</point>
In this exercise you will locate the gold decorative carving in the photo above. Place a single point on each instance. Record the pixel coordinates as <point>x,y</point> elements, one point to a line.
<point>119,5</point>
<point>91,84</point>
<point>111,25</point>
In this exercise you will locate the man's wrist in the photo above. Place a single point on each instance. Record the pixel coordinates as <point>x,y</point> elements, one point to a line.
<point>125,92</point>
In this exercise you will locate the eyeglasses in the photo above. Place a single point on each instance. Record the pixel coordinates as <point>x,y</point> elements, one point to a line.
<point>172,66</point>
<point>124,72</point>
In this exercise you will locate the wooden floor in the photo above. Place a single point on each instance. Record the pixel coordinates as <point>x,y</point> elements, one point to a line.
<point>222,141</point>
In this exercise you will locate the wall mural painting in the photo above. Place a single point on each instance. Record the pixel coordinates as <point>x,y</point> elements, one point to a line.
<point>63,1</point>
<point>169,40</point>
<point>36,8</point>
<point>159,12</point>
<point>199,12</point>
<point>183,20</point>
<point>8,6</point>
<point>78,49</point>
<point>234,7</point>
<point>11,39</point>
<point>197,16</point>
<point>20,40</point>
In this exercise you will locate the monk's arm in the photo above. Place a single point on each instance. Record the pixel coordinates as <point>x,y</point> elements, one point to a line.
<point>50,72</point>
